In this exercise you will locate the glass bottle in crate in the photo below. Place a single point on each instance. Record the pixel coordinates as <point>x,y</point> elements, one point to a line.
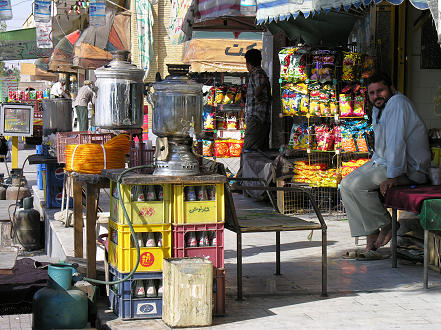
<point>158,237</point>
<point>190,240</point>
<point>138,194</point>
<point>151,289</point>
<point>202,193</point>
<point>211,193</point>
<point>160,193</point>
<point>160,288</point>
<point>190,193</point>
<point>203,239</point>
<point>151,241</point>
<point>139,290</point>
<point>213,239</point>
<point>151,194</point>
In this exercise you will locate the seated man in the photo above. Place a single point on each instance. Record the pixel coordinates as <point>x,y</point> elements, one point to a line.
<point>402,156</point>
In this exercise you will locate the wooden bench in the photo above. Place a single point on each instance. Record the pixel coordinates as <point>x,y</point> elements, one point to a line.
<point>269,219</point>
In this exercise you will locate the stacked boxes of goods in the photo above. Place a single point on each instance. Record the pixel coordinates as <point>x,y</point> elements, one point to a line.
<point>149,209</point>
<point>169,220</point>
<point>198,230</point>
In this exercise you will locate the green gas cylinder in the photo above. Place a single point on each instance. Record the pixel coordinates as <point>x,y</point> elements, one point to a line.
<point>59,306</point>
<point>27,225</point>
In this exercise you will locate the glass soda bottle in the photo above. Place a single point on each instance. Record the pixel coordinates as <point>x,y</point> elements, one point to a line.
<point>139,290</point>
<point>151,195</point>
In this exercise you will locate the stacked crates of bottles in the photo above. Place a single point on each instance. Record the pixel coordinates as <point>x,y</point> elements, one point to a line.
<point>198,230</point>
<point>149,208</point>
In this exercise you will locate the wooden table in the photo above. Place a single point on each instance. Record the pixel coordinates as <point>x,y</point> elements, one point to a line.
<point>92,184</point>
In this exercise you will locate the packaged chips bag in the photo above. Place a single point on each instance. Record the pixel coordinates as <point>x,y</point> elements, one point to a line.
<point>221,148</point>
<point>207,148</point>
<point>351,62</point>
<point>208,119</point>
<point>235,148</point>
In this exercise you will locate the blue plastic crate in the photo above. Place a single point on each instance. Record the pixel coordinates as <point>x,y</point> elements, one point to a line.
<point>54,186</point>
<point>127,307</point>
<point>54,175</point>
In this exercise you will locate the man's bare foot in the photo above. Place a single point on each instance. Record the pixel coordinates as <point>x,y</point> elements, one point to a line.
<point>371,241</point>
<point>385,236</point>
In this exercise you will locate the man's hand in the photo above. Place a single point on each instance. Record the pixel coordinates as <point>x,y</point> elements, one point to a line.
<point>385,185</point>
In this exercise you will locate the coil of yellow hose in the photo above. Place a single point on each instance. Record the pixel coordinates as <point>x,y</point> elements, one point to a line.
<point>92,158</point>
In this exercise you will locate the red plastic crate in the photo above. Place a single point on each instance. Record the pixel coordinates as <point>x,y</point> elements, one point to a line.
<point>213,253</point>
<point>82,137</point>
<point>139,155</point>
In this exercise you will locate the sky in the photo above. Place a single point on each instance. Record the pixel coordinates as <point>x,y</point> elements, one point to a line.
<point>21,9</point>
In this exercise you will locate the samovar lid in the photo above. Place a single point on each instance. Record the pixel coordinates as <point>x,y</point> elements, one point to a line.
<point>178,81</point>
<point>120,68</point>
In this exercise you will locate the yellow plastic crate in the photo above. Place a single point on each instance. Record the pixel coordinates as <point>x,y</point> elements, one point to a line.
<point>206,211</point>
<point>146,212</point>
<point>122,252</point>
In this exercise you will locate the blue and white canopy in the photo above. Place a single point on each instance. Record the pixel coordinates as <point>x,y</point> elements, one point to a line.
<point>270,10</point>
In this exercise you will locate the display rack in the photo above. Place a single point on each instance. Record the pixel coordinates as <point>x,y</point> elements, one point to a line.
<point>224,124</point>
<point>326,114</point>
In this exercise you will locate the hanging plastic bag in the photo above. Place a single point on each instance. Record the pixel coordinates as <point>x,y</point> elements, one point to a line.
<point>42,11</point>
<point>97,13</point>
<point>44,34</point>
<point>5,10</point>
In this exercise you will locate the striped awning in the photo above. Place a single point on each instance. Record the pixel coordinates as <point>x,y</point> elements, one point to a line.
<point>275,10</point>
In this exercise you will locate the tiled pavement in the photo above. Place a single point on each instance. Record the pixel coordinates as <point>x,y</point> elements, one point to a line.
<point>365,295</point>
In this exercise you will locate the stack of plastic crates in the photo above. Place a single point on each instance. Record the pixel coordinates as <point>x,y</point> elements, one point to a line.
<point>169,220</point>
<point>149,209</point>
<point>198,230</point>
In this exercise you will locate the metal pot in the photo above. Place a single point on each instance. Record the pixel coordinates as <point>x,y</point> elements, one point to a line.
<point>119,102</point>
<point>57,115</point>
<point>177,104</point>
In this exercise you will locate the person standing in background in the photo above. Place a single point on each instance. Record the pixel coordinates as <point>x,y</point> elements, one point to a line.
<point>85,95</point>
<point>258,104</point>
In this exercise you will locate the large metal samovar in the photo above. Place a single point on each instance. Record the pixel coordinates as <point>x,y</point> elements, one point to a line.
<point>119,102</point>
<point>177,112</point>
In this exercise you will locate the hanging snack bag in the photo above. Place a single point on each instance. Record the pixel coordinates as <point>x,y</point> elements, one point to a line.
<point>221,148</point>
<point>362,142</point>
<point>207,148</point>
<point>285,102</point>
<point>220,94</point>
<point>333,108</point>
<point>368,68</point>
<point>230,95</point>
<point>304,104</point>
<point>231,122</point>
<point>345,101</point>
<point>238,96</point>
<point>359,106</point>
<point>211,96</point>
<point>347,141</point>
<point>235,148</point>
<point>351,62</point>
<point>208,118</point>
<point>337,137</point>
<point>324,137</point>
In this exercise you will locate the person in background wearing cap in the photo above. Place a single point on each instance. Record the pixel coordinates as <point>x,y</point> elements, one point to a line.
<point>85,95</point>
<point>58,90</point>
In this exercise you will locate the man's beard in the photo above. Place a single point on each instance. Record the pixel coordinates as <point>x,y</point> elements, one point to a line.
<point>383,105</point>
